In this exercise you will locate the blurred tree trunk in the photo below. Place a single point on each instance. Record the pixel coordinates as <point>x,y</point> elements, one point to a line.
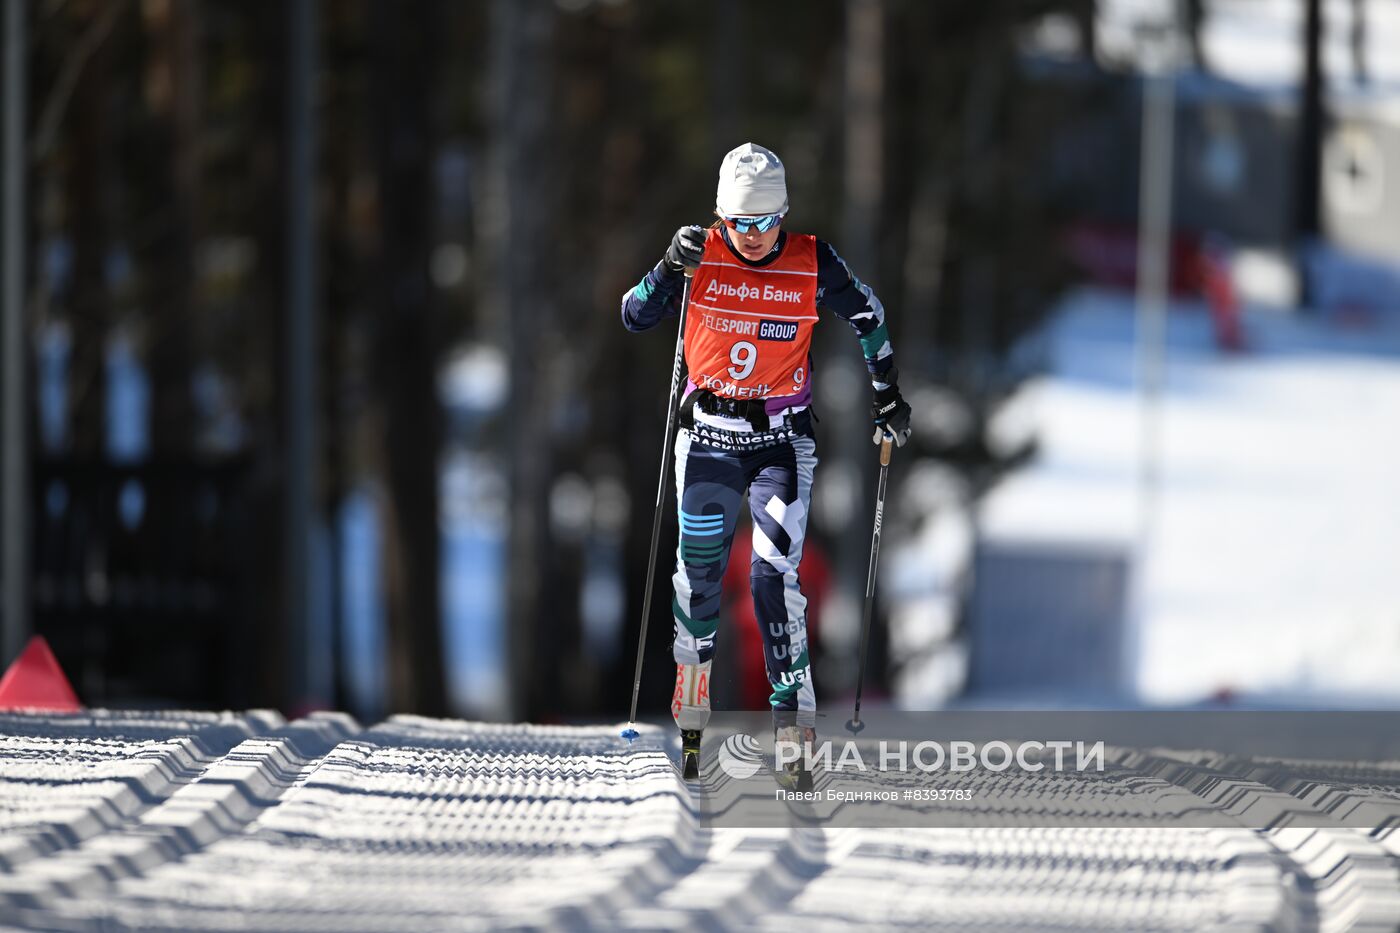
<point>726,95</point>
<point>1196,14</point>
<point>980,182</point>
<point>174,82</point>
<point>301,357</point>
<point>1311,124</point>
<point>518,304</point>
<point>1085,13</point>
<point>407,351</point>
<point>864,143</point>
<point>848,450</point>
<point>928,169</point>
<point>89,305</point>
<point>264,383</point>
<point>1359,66</point>
<point>341,308</point>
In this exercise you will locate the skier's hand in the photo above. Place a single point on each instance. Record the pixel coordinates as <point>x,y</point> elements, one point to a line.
<point>685,249</point>
<point>891,414</point>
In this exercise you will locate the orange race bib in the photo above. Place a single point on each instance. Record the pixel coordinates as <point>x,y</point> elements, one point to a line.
<point>749,329</point>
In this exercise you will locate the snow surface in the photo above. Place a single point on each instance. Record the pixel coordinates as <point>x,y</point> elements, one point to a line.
<point>1259,42</point>
<point>1272,558</point>
<point>187,821</point>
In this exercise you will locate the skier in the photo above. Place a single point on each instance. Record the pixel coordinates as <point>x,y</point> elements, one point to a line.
<point>746,425</point>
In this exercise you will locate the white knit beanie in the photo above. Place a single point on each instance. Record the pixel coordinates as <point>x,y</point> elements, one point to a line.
<point>751,183</point>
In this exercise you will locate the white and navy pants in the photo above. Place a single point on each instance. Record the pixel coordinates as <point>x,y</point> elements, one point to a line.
<point>710,488</point>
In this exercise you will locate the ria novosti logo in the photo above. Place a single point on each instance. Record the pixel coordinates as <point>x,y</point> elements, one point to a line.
<point>740,756</point>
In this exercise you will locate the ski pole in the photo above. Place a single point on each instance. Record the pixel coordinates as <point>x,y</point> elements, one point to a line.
<point>630,733</point>
<point>885,446</point>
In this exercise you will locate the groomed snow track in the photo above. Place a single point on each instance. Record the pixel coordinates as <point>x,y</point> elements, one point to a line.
<point>157,821</point>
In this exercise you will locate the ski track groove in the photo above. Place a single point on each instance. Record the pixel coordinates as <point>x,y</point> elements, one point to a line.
<point>1337,877</point>
<point>115,766</point>
<point>748,876</point>
<point>112,821</point>
<point>225,796</point>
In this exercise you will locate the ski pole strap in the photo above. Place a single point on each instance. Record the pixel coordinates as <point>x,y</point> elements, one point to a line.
<point>686,416</point>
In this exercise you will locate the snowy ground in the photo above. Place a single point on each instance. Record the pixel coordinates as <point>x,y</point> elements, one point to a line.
<point>116,821</point>
<point>1258,42</point>
<point>1271,566</point>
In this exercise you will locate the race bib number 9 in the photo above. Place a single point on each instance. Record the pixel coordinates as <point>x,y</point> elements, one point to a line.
<point>749,329</point>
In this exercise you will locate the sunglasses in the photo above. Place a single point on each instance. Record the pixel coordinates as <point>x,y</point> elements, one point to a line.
<point>752,224</point>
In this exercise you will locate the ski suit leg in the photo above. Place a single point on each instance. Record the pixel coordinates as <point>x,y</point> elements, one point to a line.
<point>709,491</point>
<point>780,495</point>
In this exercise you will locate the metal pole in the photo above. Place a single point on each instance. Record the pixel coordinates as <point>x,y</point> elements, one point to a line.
<point>672,407</point>
<point>14,574</point>
<point>886,444</point>
<point>301,340</point>
<point>1153,282</point>
<point>1154,270</point>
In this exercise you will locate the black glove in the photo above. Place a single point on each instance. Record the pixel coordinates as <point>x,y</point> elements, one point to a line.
<point>891,414</point>
<point>685,249</point>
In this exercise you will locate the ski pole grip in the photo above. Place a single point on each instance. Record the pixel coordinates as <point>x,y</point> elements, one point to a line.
<point>885,445</point>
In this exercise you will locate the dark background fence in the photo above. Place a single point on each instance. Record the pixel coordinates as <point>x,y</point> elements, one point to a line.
<point>143,577</point>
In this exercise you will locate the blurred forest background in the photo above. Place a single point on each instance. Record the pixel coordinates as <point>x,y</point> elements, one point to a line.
<point>329,403</point>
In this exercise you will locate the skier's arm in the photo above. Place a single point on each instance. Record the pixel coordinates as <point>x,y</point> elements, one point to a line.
<point>657,295</point>
<point>849,298</point>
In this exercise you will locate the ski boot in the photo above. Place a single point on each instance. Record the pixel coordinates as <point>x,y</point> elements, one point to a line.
<point>690,754</point>
<point>794,775</point>
<point>690,707</point>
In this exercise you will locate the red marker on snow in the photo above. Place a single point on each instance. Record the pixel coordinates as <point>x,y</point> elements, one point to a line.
<point>36,682</point>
